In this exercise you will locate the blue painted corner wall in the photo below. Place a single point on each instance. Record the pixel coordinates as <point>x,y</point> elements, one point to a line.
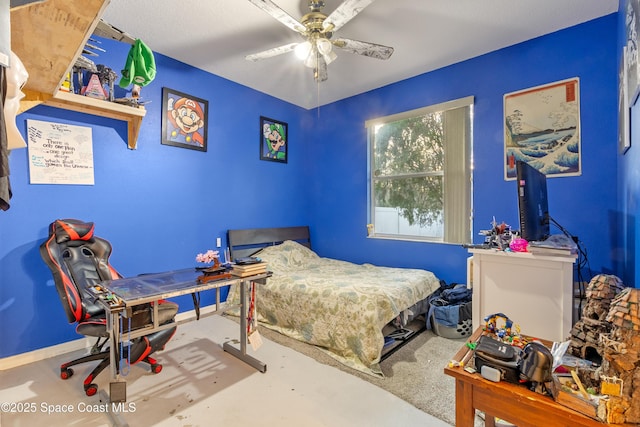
<point>585,204</point>
<point>161,205</point>
<point>158,205</point>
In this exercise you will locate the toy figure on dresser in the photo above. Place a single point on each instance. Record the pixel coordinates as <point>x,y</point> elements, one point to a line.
<point>499,236</point>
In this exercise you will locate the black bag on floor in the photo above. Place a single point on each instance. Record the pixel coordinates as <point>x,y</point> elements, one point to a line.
<point>498,355</point>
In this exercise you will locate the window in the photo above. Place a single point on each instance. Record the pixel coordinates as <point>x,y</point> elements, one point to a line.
<point>420,173</point>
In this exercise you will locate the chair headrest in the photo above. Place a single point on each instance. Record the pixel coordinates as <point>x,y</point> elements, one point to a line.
<point>72,229</point>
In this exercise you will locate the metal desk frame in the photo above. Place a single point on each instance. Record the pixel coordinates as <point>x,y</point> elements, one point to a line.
<point>151,288</point>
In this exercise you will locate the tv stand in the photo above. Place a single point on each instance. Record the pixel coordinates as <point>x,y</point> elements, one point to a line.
<point>534,291</point>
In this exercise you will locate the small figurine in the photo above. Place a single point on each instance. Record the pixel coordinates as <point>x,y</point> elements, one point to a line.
<point>499,236</point>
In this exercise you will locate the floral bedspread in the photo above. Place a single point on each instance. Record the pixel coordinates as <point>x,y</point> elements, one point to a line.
<point>336,305</point>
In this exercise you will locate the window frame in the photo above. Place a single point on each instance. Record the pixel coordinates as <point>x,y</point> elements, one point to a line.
<point>463,232</point>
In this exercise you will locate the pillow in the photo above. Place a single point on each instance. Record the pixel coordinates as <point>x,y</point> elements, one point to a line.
<point>288,254</point>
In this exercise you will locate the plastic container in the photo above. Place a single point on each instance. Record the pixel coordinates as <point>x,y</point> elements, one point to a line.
<point>463,328</point>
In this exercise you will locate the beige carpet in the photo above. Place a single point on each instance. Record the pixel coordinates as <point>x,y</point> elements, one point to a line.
<point>414,373</point>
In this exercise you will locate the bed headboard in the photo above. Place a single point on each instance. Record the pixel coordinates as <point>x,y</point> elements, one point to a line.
<point>246,242</point>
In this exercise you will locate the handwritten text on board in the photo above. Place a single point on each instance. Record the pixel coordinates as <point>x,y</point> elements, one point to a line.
<point>59,153</point>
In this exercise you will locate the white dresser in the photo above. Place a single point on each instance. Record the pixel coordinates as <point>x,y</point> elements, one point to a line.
<point>534,291</point>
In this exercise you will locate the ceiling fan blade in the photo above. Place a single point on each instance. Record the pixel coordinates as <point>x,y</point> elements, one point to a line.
<point>344,13</point>
<point>274,10</point>
<point>271,52</point>
<point>320,72</point>
<point>372,50</point>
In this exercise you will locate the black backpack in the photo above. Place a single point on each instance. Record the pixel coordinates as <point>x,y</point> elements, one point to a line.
<point>500,356</point>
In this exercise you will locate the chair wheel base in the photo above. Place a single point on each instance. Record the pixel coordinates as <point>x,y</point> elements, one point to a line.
<point>156,368</point>
<point>66,373</point>
<point>91,389</point>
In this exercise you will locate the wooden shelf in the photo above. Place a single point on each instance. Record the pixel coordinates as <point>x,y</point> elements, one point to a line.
<point>83,104</point>
<point>48,38</point>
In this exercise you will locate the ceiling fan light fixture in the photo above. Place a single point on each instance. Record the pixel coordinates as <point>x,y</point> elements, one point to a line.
<point>303,50</point>
<point>329,57</point>
<point>312,59</point>
<point>317,51</point>
<point>324,46</point>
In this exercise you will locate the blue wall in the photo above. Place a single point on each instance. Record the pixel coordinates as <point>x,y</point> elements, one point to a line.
<point>160,205</point>
<point>582,204</point>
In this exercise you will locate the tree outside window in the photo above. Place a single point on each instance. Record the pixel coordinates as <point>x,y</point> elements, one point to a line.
<point>420,173</point>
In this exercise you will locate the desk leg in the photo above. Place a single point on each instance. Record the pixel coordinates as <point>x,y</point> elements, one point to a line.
<point>465,412</point>
<point>113,328</point>
<point>242,352</point>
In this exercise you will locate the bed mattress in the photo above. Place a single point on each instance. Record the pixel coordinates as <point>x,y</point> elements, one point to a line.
<point>336,305</point>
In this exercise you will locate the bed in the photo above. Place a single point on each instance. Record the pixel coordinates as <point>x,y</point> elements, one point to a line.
<point>339,306</point>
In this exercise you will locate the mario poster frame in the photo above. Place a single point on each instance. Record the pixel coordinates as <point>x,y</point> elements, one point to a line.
<point>274,140</point>
<point>186,125</point>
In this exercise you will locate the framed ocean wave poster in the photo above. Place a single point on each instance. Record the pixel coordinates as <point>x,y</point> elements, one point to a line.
<point>542,128</point>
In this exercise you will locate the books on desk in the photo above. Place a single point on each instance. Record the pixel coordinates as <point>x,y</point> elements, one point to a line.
<point>246,270</point>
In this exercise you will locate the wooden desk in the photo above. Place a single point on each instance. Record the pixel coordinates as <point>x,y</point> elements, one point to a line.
<point>510,402</point>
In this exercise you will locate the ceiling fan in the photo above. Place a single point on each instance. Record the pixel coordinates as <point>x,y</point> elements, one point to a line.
<point>317,29</point>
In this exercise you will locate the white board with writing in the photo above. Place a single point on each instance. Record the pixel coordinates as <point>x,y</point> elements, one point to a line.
<point>59,153</point>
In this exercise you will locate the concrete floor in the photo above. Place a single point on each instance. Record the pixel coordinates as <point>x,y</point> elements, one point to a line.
<point>201,385</point>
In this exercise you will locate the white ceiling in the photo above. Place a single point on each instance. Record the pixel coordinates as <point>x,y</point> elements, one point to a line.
<point>216,35</point>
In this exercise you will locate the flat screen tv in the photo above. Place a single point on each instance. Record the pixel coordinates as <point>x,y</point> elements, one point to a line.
<point>533,205</point>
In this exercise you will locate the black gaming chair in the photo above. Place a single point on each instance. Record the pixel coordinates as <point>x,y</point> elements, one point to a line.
<point>78,260</point>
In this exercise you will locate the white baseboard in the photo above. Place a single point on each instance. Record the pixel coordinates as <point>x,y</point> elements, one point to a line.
<point>67,347</point>
<point>44,353</point>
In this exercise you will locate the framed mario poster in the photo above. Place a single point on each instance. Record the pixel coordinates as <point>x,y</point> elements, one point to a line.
<point>184,120</point>
<point>273,140</point>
